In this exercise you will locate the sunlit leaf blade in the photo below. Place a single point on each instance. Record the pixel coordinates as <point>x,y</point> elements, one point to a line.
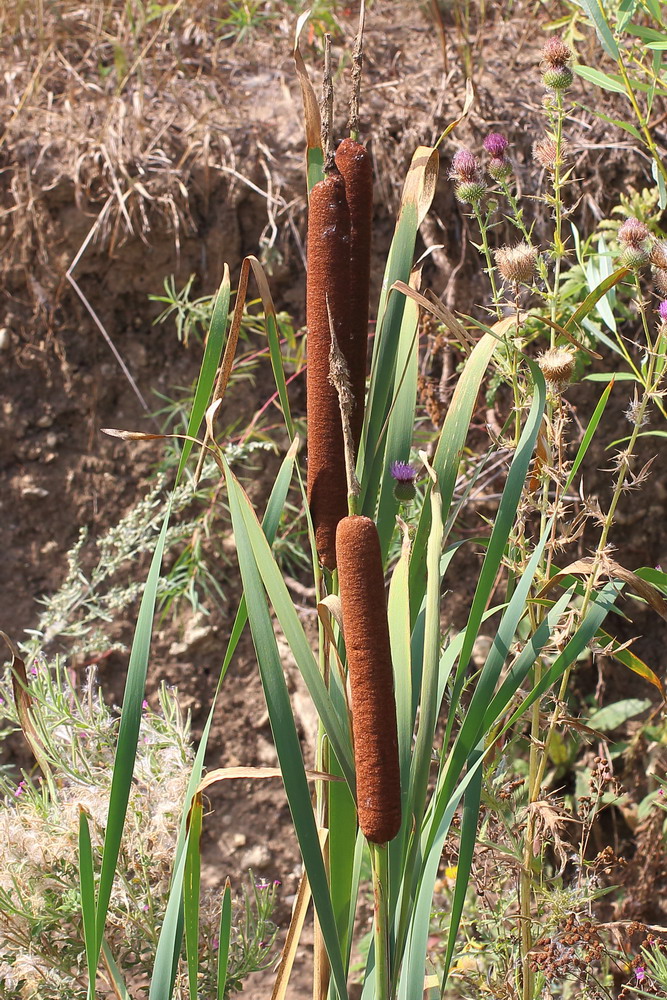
<point>87,886</point>
<point>596,13</point>
<point>191,886</point>
<point>224,937</point>
<point>282,724</point>
<point>594,297</point>
<point>209,366</point>
<point>631,661</point>
<point>168,946</point>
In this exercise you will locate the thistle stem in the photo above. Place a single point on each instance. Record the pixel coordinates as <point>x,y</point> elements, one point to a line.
<point>486,250</point>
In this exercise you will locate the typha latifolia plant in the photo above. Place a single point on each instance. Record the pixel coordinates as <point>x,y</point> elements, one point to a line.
<point>408,728</point>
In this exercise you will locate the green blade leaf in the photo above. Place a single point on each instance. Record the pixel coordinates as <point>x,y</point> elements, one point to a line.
<point>87,886</point>
<point>168,946</point>
<point>596,13</point>
<point>224,937</point>
<point>191,887</point>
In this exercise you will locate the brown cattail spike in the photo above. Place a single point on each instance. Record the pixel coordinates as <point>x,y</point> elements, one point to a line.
<point>354,162</point>
<point>371,678</point>
<point>328,281</point>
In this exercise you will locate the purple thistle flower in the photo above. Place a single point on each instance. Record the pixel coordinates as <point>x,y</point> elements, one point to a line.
<point>662,310</point>
<point>465,166</point>
<point>403,472</point>
<point>495,144</point>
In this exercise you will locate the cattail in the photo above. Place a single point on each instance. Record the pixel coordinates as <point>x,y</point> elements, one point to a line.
<point>328,281</point>
<point>371,678</point>
<point>354,162</point>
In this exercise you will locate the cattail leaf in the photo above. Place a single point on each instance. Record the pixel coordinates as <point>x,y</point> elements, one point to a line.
<point>209,366</point>
<point>115,975</point>
<point>399,632</point>
<point>191,887</point>
<point>343,873</point>
<point>415,201</point>
<point>311,111</point>
<point>87,888</point>
<point>283,605</point>
<point>401,418</point>
<point>292,938</point>
<point>286,739</point>
<point>273,338</point>
<point>168,946</point>
<point>224,937</point>
<point>447,457</point>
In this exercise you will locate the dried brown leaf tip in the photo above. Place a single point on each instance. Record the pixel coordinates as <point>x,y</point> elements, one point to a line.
<point>368,649</point>
<point>517,264</point>
<point>557,366</point>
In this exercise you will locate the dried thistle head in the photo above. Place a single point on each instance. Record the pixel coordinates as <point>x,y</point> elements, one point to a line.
<point>659,255</point>
<point>545,151</point>
<point>633,233</point>
<point>556,53</point>
<point>517,264</point>
<point>557,366</point>
<point>660,279</point>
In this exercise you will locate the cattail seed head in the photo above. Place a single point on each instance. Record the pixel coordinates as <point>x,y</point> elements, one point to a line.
<point>633,233</point>
<point>465,166</point>
<point>557,365</point>
<point>556,53</point>
<point>327,290</point>
<point>517,264</point>
<point>470,192</point>
<point>495,144</point>
<point>499,168</point>
<point>366,632</point>
<point>558,78</point>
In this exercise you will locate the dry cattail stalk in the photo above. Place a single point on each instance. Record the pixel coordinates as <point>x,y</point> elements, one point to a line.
<point>328,281</point>
<point>354,162</point>
<point>371,678</point>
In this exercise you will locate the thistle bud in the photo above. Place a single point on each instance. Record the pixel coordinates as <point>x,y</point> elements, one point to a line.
<point>660,279</point>
<point>518,263</point>
<point>634,257</point>
<point>557,365</point>
<point>499,168</point>
<point>659,255</point>
<point>558,78</point>
<point>405,475</point>
<point>470,192</point>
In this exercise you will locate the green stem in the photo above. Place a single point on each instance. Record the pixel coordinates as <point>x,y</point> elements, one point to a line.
<point>380,866</point>
<point>486,250</point>
<point>643,124</point>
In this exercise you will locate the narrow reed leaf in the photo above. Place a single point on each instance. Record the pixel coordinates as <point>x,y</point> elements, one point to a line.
<point>209,365</point>
<point>401,419</point>
<point>87,886</point>
<point>593,297</point>
<point>283,727</point>
<point>115,974</point>
<point>292,939</point>
<point>260,553</point>
<point>447,457</point>
<point>224,938</point>
<point>128,735</point>
<point>191,887</point>
<point>467,104</point>
<point>416,199</point>
<point>168,946</point>
<point>399,631</point>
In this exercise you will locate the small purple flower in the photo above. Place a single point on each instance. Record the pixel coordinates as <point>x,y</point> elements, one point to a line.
<point>20,788</point>
<point>465,166</point>
<point>640,973</point>
<point>144,704</point>
<point>277,882</point>
<point>662,310</point>
<point>495,144</point>
<point>403,472</point>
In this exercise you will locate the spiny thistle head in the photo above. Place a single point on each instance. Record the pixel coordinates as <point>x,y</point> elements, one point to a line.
<point>557,365</point>
<point>660,279</point>
<point>545,151</point>
<point>499,168</point>
<point>470,192</point>
<point>556,53</point>
<point>557,77</point>
<point>404,475</point>
<point>518,263</point>
<point>633,233</point>
<point>659,255</point>
<point>662,310</point>
<point>465,166</point>
<point>495,144</point>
